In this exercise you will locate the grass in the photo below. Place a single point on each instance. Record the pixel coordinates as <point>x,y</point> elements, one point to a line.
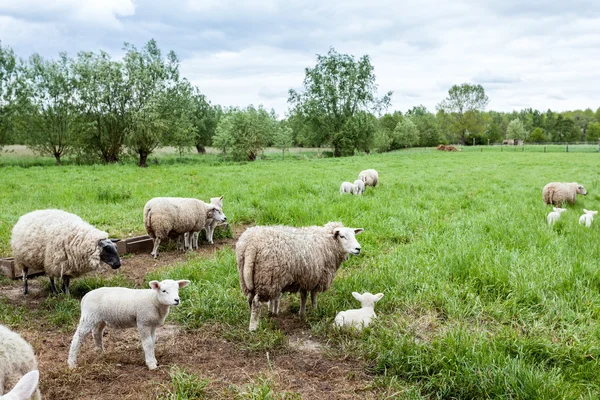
<point>482,298</point>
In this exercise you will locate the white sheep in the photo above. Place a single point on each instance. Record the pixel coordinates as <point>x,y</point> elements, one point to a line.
<point>122,308</point>
<point>275,259</point>
<point>211,223</point>
<point>16,360</point>
<point>362,317</point>
<point>360,186</point>
<point>24,389</point>
<point>587,217</point>
<point>347,187</point>
<point>369,176</point>
<point>175,216</point>
<point>62,245</point>
<point>557,193</point>
<point>555,215</point>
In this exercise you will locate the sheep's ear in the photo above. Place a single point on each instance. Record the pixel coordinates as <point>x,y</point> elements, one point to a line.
<point>358,230</point>
<point>221,198</point>
<point>183,283</point>
<point>26,385</point>
<point>357,296</point>
<point>336,233</point>
<point>154,285</point>
<point>378,297</point>
<point>585,211</point>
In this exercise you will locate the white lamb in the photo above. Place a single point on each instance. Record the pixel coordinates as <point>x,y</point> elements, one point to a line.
<point>24,389</point>
<point>587,217</point>
<point>347,187</point>
<point>555,215</point>
<point>360,186</point>
<point>16,360</point>
<point>361,317</point>
<point>211,224</point>
<point>121,308</point>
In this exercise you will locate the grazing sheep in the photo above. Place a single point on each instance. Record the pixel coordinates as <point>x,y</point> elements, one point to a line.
<point>369,176</point>
<point>16,360</point>
<point>175,216</point>
<point>275,259</point>
<point>362,317</point>
<point>587,217</point>
<point>24,389</point>
<point>211,224</point>
<point>347,187</point>
<point>62,245</point>
<point>555,215</point>
<point>360,185</point>
<point>122,308</point>
<point>557,193</point>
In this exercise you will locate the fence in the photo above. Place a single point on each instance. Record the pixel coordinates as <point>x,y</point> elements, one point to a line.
<point>572,147</point>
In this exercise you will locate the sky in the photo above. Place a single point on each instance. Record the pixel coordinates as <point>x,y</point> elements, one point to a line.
<point>540,53</point>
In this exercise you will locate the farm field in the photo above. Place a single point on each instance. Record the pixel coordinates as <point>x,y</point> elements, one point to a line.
<point>482,298</point>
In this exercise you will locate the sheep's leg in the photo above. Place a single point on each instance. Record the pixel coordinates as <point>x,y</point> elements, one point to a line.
<point>188,238</point>
<point>195,241</point>
<point>97,335</point>
<point>153,334</point>
<point>210,232</point>
<point>155,249</point>
<point>66,280</point>
<point>313,300</point>
<point>25,283</point>
<point>53,286</point>
<point>254,314</point>
<point>303,295</point>
<point>82,331</point>
<point>274,305</point>
<point>148,345</point>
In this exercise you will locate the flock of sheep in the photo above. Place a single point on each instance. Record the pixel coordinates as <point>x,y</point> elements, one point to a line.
<point>558,193</point>
<point>368,177</point>
<point>271,260</point>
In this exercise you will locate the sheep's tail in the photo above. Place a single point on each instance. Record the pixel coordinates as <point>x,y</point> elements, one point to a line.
<point>148,221</point>
<point>248,268</point>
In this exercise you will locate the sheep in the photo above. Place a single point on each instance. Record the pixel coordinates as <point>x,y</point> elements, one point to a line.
<point>211,223</point>
<point>275,259</point>
<point>369,176</point>
<point>360,185</point>
<point>174,216</point>
<point>62,245</point>
<point>24,389</point>
<point>121,308</point>
<point>362,317</point>
<point>555,215</point>
<point>347,187</point>
<point>557,193</point>
<point>16,360</point>
<point>587,217</point>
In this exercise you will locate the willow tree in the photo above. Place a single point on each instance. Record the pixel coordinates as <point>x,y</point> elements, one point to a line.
<point>461,110</point>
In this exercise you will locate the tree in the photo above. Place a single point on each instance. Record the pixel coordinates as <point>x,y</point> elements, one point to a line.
<point>358,133</point>
<point>407,134</point>
<point>179,115</point>
<point>516,130</point>
<point>593,132</point>
<point>335,90</point>
<point>462,109</point>
<point>537,135</point>
<point>8,79</point>
<point>429,130</point>
<point>565,130</point>
<point>283,138</point>
<point>205,118</point>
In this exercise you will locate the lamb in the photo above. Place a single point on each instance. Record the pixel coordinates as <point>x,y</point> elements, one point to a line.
<point>347,187</point>
<point>174,216</point>
<point>362,317</point>
<point>587,217</point>
<point>275,259</point>
<point>16,360</point>
<point>62,245</point>
<point>211,223</point>
<point>360,185</point>
<point>122,308</point>
<point>369,176</point>
<point>24,389</point>
<point>555,215</point>
<point>557,193</point>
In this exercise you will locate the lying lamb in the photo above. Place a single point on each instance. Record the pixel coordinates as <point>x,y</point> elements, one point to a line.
<point>347,187</point>
<point>275,259</point>
<point>121,308</point>
<point>24,389</point>
<point>16,360</point>
<point>362,317</point>
<point>587,217</point>
<point>555,215</point>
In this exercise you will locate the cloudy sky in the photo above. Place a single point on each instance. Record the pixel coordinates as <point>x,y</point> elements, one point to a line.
<point>540,53</point>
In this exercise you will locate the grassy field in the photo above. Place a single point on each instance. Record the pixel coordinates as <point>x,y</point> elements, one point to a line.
<point>482,298</point>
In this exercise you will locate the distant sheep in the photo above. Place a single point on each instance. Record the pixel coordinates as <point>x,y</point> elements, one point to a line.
<point>587,218</point>
<point>360,185</point>
<point>275,259</point>
<point>347,187</point>
<point>555,215</point>
<point>16,360</point>
<point>173,217</point>
<point>62,245</point>
<point>557,193</point>
<point>369,176</point>
<point>122,308</point>
<point>362,317</point>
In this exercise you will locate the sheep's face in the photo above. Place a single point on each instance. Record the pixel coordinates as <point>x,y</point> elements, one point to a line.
<point>367,299</point>
<point>559,210</point>
<point>109,253</point>
<point>216,213</point>
<point>590,212</point>
<point>581,190</point>
<point>347,238</point>
<point>217,201</point>
<point>167,291</point>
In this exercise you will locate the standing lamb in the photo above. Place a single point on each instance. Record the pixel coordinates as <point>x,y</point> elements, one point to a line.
<point>16,360</point>
<point>555,215</point>
<point>211,223</point>
<point>60,244</point>
<point>369,176</point>
<point>557,193</point>
<point>347,187</point>
<point>122,308</point>
<point>175,216</point>
<point>587,217</point>
<point>362,317</point>
<point>275,259</point>
<point>360,185</point>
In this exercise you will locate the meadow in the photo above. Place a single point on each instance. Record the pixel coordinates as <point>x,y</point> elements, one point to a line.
<point>482,298</point>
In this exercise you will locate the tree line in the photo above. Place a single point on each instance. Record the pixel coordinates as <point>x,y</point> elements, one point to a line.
<point>97,108</point>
